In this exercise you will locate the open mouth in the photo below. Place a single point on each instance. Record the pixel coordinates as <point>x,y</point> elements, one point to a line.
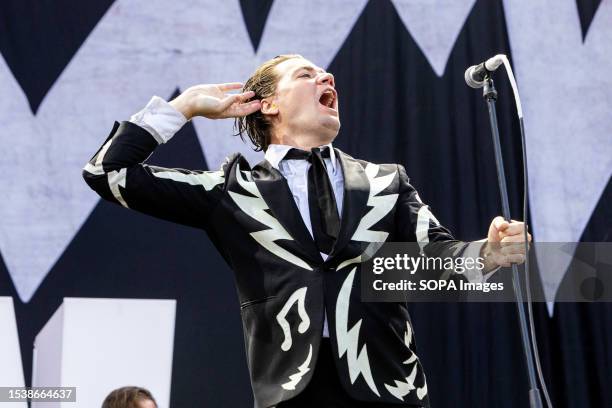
<point>328,99</point>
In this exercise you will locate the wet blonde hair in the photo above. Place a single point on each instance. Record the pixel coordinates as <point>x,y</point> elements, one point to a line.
<point>263,82</point>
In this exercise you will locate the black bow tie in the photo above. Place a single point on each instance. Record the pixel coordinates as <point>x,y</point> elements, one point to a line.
<point>321,199</point>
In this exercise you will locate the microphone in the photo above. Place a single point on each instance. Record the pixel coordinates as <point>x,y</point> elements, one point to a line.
<point>476,74</point>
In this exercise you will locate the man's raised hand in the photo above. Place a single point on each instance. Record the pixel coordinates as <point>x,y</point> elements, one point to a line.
<point>213,102</point>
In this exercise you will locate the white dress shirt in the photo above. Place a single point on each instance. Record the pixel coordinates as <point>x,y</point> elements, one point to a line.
<point>296,173</point>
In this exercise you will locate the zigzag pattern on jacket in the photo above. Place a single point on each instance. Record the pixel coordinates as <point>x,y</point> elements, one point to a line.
<point>256,208</point>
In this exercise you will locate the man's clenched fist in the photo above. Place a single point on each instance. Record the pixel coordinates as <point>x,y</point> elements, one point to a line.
<point>505,244</point>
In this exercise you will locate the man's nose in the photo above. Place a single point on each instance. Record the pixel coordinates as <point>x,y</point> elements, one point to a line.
<point>327,78</point>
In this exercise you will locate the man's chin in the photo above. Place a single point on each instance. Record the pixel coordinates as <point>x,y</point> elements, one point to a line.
<point>331,123</point>
<point>331,130</point>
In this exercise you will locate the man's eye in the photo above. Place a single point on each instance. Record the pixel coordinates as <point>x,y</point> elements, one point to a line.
<point>307,75</point>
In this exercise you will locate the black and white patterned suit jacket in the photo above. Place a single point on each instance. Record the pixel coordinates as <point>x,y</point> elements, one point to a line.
<point>284,286</point>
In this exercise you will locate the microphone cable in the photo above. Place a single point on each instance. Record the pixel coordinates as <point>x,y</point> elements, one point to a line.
<point>534,342</point>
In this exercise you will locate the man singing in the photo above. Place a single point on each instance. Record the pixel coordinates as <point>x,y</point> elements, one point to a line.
<point>293,229</point>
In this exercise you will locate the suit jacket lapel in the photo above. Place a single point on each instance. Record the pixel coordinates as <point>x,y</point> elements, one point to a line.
<point>356,192</point>
<point>276,193</point>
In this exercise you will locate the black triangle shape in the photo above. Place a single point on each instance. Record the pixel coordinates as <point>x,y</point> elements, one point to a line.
<point>599,227</point>
<point>174,266</point>
<point>395,61</point>
<point>122,273</point>
<point>39,40</point>
<point>255,14</point>
<point>586,11</point>
<point>7,287</point>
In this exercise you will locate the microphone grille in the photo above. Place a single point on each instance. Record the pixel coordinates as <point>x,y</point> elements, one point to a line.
<point>470,81</point>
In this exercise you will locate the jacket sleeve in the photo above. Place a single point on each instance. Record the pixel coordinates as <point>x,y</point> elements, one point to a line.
<point>416,223</point>
<point>117,173</point>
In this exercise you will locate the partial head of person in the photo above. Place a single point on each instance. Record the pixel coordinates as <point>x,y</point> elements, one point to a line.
<point>129,397</point>
<point>299,104</point>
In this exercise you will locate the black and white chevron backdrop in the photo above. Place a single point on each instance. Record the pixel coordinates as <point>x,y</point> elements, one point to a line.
<point>69,68</point>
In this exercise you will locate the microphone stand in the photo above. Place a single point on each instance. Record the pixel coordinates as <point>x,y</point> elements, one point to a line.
<point>490,95</point>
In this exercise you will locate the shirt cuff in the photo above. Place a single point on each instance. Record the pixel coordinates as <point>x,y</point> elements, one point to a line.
<point>472,273</point>
<point>160,119</point>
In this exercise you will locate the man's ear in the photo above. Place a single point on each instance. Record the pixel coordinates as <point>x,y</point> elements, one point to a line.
<point>268,107</point>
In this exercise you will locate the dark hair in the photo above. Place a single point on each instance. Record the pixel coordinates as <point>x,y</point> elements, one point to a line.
<point>127,397</point>
<point>263,82</point>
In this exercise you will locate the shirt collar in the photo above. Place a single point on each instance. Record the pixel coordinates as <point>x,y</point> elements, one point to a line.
<point>275,153</point>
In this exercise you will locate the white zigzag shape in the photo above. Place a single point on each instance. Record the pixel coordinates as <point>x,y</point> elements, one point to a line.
<point>115,179</point>
<point>207,179</point>
<point>401,388</point>
<point>348,340</point>
<point>381,205</point>
<point>567,118</point>
<point>408,335</point>
<point>434,25</point>
<point>422,392</point>
<point>256,208</point>
<point>49,206</point>
<point>424,217</point>
<point>302,370</point>
<point>123,62</point>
